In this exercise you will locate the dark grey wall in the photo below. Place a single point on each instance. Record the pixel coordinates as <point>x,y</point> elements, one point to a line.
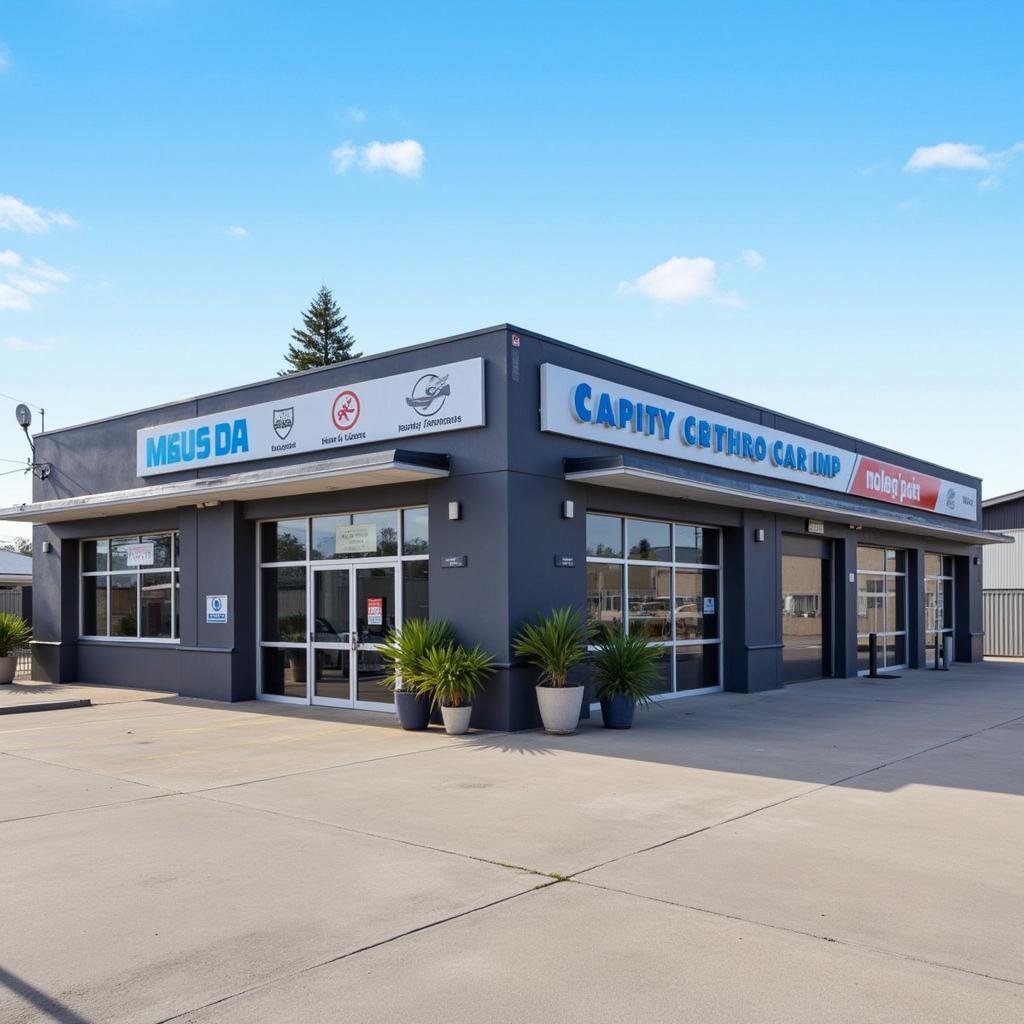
<point>1007,515</point>
<point>510,481</point>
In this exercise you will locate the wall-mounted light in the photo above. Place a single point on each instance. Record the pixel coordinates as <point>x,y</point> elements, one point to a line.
<point>207,504</point>
<point>759,536</point>
<point>977,559</point>
<point>454,510</point>
<point>47,547</point>
<point>568,509</point>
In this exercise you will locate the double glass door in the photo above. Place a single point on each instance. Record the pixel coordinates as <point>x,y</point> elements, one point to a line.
<point>352,608</point>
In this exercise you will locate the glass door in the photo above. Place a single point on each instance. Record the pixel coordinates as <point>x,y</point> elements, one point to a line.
<point>330,636</point>
<point>374,614</point>
<point>353,608</point>
<point>805,618</point>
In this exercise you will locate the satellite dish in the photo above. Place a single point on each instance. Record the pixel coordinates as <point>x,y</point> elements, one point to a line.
<point>24,415</point>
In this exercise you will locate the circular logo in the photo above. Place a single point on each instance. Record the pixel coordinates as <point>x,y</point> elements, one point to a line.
<point>216,604</point>
<point>429,394</point>
<point>345,410</point>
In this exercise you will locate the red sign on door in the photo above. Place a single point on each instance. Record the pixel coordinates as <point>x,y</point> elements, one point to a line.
<point>375,611</point>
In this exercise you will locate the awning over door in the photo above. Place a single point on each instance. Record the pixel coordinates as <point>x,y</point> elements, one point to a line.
<point>632,474</point>
<point>364,470</point>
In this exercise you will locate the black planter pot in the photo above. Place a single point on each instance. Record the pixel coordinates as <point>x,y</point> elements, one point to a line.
<point>413,710</point>
<point>617,711</point>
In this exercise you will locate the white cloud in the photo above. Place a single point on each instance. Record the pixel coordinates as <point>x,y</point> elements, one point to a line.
<point>18,216</point>
<point>16,344</point>
<point>29,285</point>
<point>237,232</point>
<point>13,298</point>
<point>44,270</point>
<point>752,258</point>
<point>343,157</point>
<point>405,157</point>
<point>28,280</point>
<point>355,115</point>
<point>680,281</point>
<point>962,156</point>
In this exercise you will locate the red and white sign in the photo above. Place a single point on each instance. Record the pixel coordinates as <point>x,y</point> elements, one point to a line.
<point>375,611</point>
<point>885,482</point>
<point>139,556</point>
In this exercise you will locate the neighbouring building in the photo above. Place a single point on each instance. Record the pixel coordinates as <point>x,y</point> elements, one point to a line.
<point>16,584</point>
<point>260,541</point>
<point>1003,577</point>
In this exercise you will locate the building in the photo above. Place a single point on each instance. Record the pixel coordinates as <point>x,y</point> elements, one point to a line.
<point>1003,577</point>
<point>16,584</point>
<point>260,541</point>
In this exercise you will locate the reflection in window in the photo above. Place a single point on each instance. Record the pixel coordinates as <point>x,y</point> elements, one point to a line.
<point>129,587</point>
<point>881,605</point>
<point>674,606</point>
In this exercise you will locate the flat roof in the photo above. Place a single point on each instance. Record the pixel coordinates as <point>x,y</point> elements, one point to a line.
<point>1002,499</point>
<point>613,360</point>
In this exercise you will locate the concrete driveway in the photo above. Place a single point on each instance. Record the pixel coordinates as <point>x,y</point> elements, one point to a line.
<point>835,851</point>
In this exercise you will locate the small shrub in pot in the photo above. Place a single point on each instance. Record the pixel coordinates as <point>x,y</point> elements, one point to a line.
<point>625,668</point>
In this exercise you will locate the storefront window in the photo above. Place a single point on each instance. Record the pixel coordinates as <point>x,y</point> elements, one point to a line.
<point>666,586</point>
<point>938,601</point>
<point>130,587</point>
<point>311,611</point>
<point>881,605</point>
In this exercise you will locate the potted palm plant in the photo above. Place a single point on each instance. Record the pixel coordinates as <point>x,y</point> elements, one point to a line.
<point>453,675</point>
<point>403,652</point>
<point>624,667</point>
<point>555,644</point>
<point>15,632</point>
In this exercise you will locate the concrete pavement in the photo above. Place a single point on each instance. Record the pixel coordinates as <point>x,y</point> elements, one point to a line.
<point>840,850</point>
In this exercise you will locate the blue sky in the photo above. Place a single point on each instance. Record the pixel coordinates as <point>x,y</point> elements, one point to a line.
<point>816,207</point>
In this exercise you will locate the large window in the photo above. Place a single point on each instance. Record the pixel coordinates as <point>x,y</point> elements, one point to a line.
<point>662,579</point>
<point>882,605</point>
<point>130,587</point>
<point>291,590</point>
<point>938,601</point>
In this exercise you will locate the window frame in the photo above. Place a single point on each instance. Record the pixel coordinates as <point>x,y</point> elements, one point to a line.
<point>940,579</point>
<point>311,564</point>
<point>884,575</point>
<point>673,644</point>
<point>173,572</point>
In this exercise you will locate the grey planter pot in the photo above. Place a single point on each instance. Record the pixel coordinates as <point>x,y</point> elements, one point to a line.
<point>456,720</point>
<point>8,666</point>
<point>560,708</point>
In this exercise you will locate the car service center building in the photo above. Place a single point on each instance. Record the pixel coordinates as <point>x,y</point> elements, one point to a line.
<point>260,542</point>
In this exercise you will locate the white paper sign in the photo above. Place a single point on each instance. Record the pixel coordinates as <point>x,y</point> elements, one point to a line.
<point>139,556</point>
<point>216,607</point>
<point>709,606</point>
<point>356,540</point>
<point>427,401</point>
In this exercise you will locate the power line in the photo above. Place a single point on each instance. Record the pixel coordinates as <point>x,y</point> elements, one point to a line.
<point>11,398</point>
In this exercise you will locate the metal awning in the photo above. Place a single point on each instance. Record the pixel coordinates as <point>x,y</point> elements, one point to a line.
<point>627,473</point>
<point>365,470</point>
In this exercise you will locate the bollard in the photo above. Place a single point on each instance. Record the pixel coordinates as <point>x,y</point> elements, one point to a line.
<point>947,652</point>
<point>872,655</point>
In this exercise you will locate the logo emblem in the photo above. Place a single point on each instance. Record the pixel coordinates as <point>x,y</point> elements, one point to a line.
<point>346,409</point>
<point>284,420</point>
<point>951,499</point>
<point>429,394</point>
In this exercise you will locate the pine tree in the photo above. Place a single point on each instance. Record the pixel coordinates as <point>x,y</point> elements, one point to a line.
<point>323,340</point>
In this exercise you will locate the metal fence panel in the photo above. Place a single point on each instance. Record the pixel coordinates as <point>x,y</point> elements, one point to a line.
<point>1004,623</point>
<point>10,601</point>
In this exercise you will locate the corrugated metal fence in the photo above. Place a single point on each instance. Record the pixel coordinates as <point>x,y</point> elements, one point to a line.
<point>1004,623</point>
